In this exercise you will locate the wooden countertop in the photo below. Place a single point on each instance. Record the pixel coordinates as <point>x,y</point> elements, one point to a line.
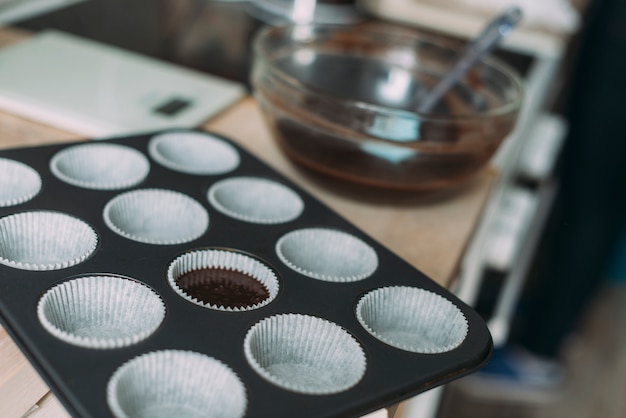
<point>429,231</point>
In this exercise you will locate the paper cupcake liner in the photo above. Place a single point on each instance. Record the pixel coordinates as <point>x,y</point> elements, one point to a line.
<point>327,254</point>
<point>18,182</point>
<point>305,354</point>
<point>156,216</point>
<point>100,166</point>
<point>412,319</point>
<point>218,280</point>
<point>173,383</point>
<point>193,153</point>
<point>44,240</point>
<point>101,311</point>
<point>255,200</point>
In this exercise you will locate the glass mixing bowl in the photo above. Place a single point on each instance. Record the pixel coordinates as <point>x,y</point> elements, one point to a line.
<point>341,100</point>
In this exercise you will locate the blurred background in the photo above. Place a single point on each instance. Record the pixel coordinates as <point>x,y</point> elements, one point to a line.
<point>547,265</point>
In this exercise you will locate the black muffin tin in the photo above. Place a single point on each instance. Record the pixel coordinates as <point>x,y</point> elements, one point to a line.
<point>78,376</point>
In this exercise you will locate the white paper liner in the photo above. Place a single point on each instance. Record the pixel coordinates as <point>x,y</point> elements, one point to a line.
<point>255,200</point>
<point>173,383</point>
<point>43,240</point>
<point>101,311</point>
<point>228,260</point>
<point>305,354</point>
<point>100,166</point>
<point>327,254</point>
<point>18,182</point>
<point>156,216</point>
<point>412,319</point>
<point>193,153</point>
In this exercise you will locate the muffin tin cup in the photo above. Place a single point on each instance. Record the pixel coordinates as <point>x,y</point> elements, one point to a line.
<point>305,354</point>
<point>175,383</point>
<point>18,182</point>
<point>156,216</point>
<point>101,311</point>
<point>238,289</point>
<point>43,240</point>
<point>100,166</point>
<point>412,319</point>
<point>193,153</point>
<point>327,254</point>
<point>255,200</point>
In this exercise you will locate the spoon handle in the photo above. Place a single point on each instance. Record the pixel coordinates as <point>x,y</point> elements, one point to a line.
<point>490,36</point>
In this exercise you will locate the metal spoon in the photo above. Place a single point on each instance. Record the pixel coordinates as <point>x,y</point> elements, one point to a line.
<point>490,36</point>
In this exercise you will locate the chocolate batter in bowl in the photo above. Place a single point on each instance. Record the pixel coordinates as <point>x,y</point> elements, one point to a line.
<point>341,100</point>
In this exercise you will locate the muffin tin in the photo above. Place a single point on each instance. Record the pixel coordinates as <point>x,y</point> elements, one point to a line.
<point>174,274</point>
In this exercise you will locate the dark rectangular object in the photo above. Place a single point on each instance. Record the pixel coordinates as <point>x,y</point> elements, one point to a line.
<point>79,376</point>
<point>173,106</point>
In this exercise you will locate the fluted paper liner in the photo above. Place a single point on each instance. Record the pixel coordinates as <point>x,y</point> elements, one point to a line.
<point>18,182</point>
<point>255,200</point>
<point>174,383</point>
<point>305,354</point>
<point>100,166</point>
<point>412,319</point>
<point>227,260</point>
<point>156,216</point>
<point>42,240</point>
<point>193,153</point>
<point>101,311</point>
<point>327,254</point>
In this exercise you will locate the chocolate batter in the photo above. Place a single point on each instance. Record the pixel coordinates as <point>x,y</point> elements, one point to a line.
<point>221,287</point>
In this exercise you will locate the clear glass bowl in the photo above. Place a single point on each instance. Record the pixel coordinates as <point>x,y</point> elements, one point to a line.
<point>340,100</point>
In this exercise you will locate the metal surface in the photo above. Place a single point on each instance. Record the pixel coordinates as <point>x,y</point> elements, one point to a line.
<point>79,376</point>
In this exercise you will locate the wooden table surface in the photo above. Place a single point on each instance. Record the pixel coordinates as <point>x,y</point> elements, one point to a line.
<point>429,231</point>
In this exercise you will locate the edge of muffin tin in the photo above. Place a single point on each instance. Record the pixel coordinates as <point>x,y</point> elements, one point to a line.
<point>79,376</point>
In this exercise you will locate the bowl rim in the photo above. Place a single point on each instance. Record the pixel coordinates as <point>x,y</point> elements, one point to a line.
<point>261,52</point>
